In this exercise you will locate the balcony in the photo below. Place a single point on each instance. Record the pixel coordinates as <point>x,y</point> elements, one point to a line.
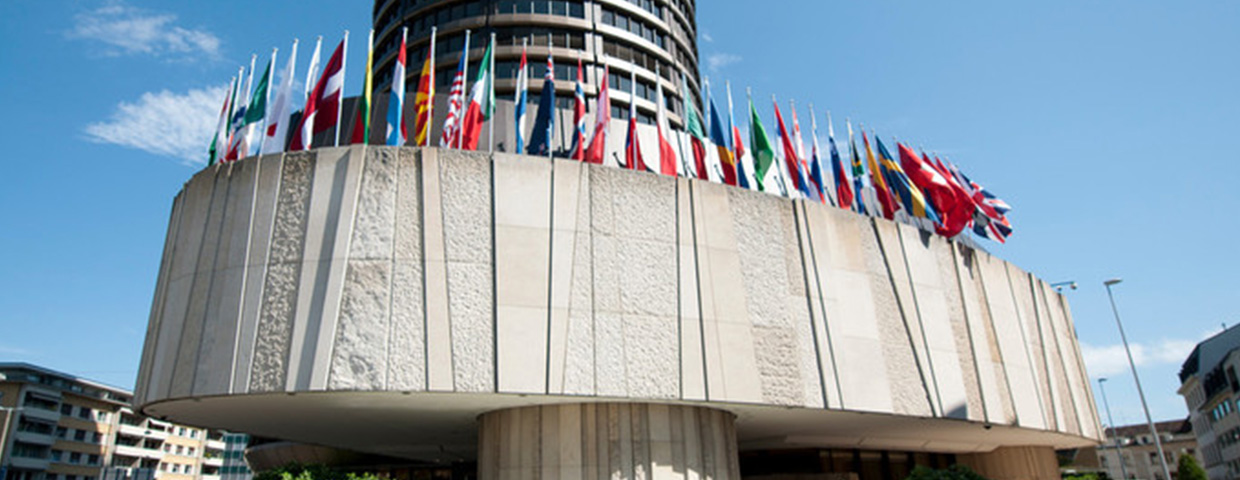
<point>138,451</point>
<point>41,414</point>
<point>34,437</point>
<point>215,444</point>
<point>138,431</point>
<point>28,463</point>
<point>213,461</point>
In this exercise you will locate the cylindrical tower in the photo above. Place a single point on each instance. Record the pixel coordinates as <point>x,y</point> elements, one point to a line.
<point>630,36</point>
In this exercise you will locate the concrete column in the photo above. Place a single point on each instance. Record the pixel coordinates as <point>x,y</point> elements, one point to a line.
<point>1014,463</point>
<point>607,440</point>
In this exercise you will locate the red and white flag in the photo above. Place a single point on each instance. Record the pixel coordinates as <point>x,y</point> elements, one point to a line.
<point>579,118</point>
<point>667,156</point>
<point>323,105</point>
<point>602,117</point>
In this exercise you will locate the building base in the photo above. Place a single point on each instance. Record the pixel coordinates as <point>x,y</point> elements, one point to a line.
<point>607,440</point>
<point>1014,463</point>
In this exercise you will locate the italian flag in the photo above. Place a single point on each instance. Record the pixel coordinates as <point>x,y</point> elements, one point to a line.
<point>481,102</point>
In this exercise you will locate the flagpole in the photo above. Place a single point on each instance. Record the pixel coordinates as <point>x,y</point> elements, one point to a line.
<point>344,60</point>
<point>684,116</point>
<point>491,95</point>
<point>464,76</point>
<point>271,68</point>
<point>430,102</point>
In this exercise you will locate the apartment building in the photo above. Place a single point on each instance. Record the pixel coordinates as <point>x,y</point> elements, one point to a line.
<point>56,426</point>
<point>1139,455</point>
<point>1211,391</point>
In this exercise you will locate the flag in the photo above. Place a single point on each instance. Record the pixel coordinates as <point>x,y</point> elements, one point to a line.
<point>323,107</point>
<point>602,117</point>
<point>914,201</point>
<point>303,135</point>
<point>396,134</point>
<point>667,156</point>
<point>726,161</point>
<point>544,123</point>
<point>843,186</point>
<point>888,202</point>
<point>424,101</point>
<point>632,148</point>
<point>737,143</point>
<point>762,150</point>
<point>523,92</point>
<point>962,217</point>
<point>858,172</point>
<point>815,164</point>
<point>236,129</point>
<point>456,99</point>
<point>481,102</point>
<point>937,191</point>
<point>278,119</point>
<point>220,134</point>
<point>991,213</point>
<point>361,126</point>
<point>579,117</point>
<point>697,134</point>
<point>791,160</point>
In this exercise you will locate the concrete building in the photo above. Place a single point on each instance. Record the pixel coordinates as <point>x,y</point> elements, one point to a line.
<point>1138,452</point>
<point>521,317</point>
<point>60,427</point>
<point>1211,391</point>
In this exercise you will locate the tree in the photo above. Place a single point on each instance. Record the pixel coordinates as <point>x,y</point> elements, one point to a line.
<point>1188,469</point>
<point>954,472</point>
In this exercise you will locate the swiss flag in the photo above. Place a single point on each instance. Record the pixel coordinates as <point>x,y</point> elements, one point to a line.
<point>939,191</point>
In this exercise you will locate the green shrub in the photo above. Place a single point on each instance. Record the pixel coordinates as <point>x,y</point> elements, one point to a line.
<point>1188,469</point>
<point>954,472</point>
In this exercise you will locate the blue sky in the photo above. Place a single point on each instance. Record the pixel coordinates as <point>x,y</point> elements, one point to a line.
<point>1106,125</point>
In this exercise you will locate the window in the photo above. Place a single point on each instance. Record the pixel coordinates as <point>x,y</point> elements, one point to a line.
<point>189,451</point>
<point>101,417</point>
<point>56,454</point>
<point>180,449</point>
<point>193,434</point>
<point>61,432</point>
<point>96,437</point>
<point>93,459</point>
<point>84,413</point>
<point>79,435</point>
<point>75,457</point>
<point>66,409</point>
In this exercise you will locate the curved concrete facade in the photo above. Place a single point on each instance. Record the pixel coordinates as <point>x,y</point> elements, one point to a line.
<point>382,299</point>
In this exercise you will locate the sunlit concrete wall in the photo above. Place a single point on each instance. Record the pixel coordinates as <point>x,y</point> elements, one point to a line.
<point>427,270</point>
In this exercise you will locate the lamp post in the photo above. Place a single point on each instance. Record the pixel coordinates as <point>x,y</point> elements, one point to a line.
<point>1119,450</point>
<point>1162,460</point>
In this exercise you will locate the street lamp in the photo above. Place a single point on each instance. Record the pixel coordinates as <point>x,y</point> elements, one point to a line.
<point>1059,286</point>
<point>1162,460</point>
<point>1119,450</point>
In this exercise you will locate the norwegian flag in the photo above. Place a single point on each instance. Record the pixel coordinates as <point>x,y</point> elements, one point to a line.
<point>456,101</point>
<point>579,118</point>
<point>602,114</point>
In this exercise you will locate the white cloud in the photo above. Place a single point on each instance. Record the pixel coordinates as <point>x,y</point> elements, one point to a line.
<point>1109,360</point>
<point>706,37</point>
<point>176,125</point>
<point>125,30</point>
<point>719,60</point>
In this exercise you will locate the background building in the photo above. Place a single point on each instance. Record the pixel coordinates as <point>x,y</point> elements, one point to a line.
<point>61,427</point>
<point>1209,387</point>
<point>1139,454</point>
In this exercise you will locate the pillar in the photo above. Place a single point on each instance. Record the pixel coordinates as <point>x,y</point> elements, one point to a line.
<point>1014,463</point>
<point>607,440</point>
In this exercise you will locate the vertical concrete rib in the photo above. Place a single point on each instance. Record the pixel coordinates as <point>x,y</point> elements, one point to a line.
<point>810,263</point>
<point>921,374</point>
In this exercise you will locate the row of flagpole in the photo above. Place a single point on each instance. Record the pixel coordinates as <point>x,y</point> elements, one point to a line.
<point>932,194</point>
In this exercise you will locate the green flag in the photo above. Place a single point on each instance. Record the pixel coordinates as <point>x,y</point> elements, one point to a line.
<point>257,109</point>
<point>693,119</point>
<point>763,153</point>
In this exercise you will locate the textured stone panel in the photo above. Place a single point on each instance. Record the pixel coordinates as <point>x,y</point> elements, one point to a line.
<point>1064,375</point>
<point>359,357</point>
<point>888,276</point>
<point>923,251</point>
<point>407,355</point>
<point>266,194</point>
<point>575,201</point>
<point>989,388</point>
<point>961,337</point>
<point>275,325</point>
<point>650,354</point>
<point>467,233</point>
